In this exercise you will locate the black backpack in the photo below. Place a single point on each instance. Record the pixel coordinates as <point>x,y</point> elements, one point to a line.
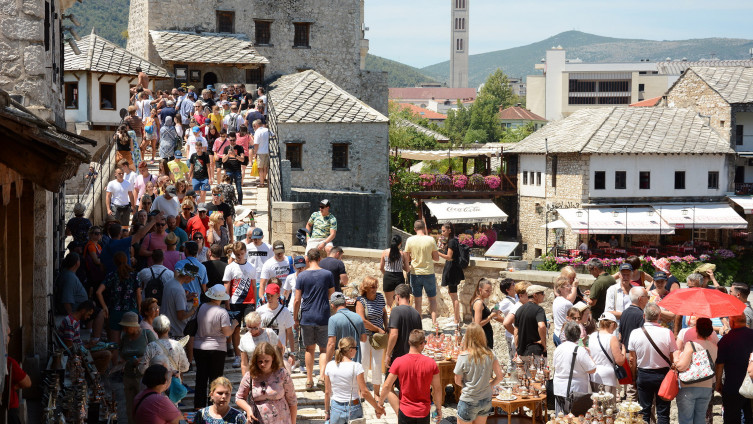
<point>464,255</point>
<point>155,286</point>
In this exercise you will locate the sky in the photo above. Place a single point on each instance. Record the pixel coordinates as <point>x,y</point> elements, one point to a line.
<point>417,32</point>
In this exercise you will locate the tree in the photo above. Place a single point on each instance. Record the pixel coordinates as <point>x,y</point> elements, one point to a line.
<point>457,123</point>
<point>513,135</point>
<point>497,86</point>
<point>405,137</point>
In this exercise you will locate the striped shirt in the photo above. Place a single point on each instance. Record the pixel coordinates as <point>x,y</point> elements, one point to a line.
<point>70,330</point>
<point>374,310</point>
<point>393,266</point>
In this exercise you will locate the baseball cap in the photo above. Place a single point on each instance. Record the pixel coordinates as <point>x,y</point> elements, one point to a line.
<point>278,245</point>
<point>178,154</point>
<point>202,207</point>
<point>257,233</point>
<point>535,288</point>
<point>608,316</point>
<point>299,262</point>
<point>171,190</point>
<point>272,289</point>
<point>181,89</point>
<point>337,299</point>
<point>626,267</point>
<point>660,275</point>
<point>196,129</point>
<point>325,202</point>
<point>190,193</point>
<point>191,87</point>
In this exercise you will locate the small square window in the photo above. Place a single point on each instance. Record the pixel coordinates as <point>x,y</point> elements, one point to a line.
<point>600,180</point>
<point>679,180</point>
<point>107,96</point>
<point>225,21</point>
<point>714,180</point>
<point>339,156</point>
<point>620,180</point>
<point>641,87</point>
<point>263,32</point>
<point>644,180</point>
<point>301,37</point>
<point>255,76</point>
<point>294,153</point>
<point>71,95</point>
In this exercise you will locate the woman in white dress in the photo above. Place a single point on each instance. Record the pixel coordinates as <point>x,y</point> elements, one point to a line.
<point>606,350</point>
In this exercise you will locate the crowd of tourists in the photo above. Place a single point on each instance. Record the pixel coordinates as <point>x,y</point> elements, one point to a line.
<point>180,282</point>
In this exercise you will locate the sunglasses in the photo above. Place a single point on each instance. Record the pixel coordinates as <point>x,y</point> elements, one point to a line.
<point>188,209</point>
<point>323,207</point>
<point>160,225</point>
<point>97,234</point>
<point>216,194</point>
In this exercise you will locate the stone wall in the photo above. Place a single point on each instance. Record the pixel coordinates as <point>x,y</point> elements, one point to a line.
<point>373,90</point>
<point>287,218</point>
<point>571,192</point>
<point>692,92</point>
<point>335,32</point>
<point>30,56</point>
<point>367,155</point>
<point>354,226</point>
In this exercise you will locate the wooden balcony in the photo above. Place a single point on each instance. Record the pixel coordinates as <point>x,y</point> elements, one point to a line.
<point>508,187</point>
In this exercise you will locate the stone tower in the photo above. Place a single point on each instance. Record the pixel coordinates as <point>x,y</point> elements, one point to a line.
<point>459,44</point>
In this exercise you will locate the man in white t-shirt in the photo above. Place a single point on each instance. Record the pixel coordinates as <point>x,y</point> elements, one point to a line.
<point>119,199</point>
<point>261,149</point>
<point>276,317</point>
<point>618,295</point>
<point>195,138</point>
<point>128,174</point>
<point>276,266</point>
<point>258,251</point>
<point>521,290</point>
<point>288,292</point>
<point>168,202</point>
<point>507,286</point>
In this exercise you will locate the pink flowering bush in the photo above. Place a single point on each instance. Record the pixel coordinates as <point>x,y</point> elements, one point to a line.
<point>492,181</point>
<point>466,240</point>
<point>459,180</point>
<point>426,180</point>
<point>480,239</point>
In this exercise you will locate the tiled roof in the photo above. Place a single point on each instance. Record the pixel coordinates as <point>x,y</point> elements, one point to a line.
<point>423,112</point>
<point>309,97</point>
<point>436,93</point>
<point>517,113</point>
<point>631,130</point>
<point>646,103</point>
<point>677,67</point>
<point>734,84</point>
<point>423,130</point>
<point>230,49</point>
<point>100,55</point>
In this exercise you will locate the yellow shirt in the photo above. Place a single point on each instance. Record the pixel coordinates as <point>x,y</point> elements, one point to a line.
<point>421,249</point>
<point>216,121</point>
<point>179,169</point>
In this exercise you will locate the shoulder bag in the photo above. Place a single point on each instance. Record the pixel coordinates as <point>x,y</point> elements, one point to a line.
<point>701,367</point>
<point>177,390</point>
<point>254,408</point>
<point>746,390</point>
<point>269,324</point>
<point>670,385</point>
<point>378,341</point>
<point>618,370</point>
<point>192,326</point>
<point>576,403</point>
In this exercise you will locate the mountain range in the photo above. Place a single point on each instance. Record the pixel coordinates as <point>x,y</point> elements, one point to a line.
<point>110,18</point>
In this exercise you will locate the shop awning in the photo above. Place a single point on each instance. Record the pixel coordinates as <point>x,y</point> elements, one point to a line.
<point>615,221</point>
<point>491,149</point>
<point>719,216</point>
<point>745,202</point>
<point>555,225</point>
<point>465,211</point>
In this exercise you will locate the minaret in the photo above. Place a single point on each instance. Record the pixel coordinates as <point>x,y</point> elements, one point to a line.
<point>459,44</point>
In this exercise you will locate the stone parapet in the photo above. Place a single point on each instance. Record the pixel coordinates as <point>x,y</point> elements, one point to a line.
<point>287,218</point>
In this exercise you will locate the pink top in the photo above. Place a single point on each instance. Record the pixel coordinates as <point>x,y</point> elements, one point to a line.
<point>154,409</point>
<point>243,142</point>
<point>171,258</point>
<point>219,146</point>
<point>154,241</point>
<point>273,395</point>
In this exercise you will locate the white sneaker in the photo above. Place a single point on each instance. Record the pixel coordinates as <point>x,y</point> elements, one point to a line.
<point>237,362</point>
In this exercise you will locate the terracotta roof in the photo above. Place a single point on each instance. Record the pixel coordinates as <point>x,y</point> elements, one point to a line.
<point>734,84</point>
<point>227,49</point>
<point>677,67</point>
<point>99,55</point>
<point>633,130</point>
<point>423,112</point>
<point>646,103</point>
<point>436,93</point>
<point>309,97</point>
<point>517,113</point>
<point>423,130</point>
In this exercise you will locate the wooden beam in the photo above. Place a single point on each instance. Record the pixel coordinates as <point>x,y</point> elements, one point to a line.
<point>75,75</point>
<point>29,247</point>
<point>13,283</point>
<point>130,81</point>
<point>118,79</point>
<point>99,78</point>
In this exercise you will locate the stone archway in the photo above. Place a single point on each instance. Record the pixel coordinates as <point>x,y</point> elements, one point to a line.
<point>210,78</point>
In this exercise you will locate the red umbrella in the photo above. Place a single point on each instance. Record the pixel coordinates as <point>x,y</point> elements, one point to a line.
<point>703,303</point>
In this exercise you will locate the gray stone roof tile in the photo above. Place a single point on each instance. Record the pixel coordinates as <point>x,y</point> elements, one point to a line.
<point>677,67</point>
<point>100,55</point>
<point>230,49</point>
<point>734,84</point>
<point>627,130</point>
<point>310,97</point>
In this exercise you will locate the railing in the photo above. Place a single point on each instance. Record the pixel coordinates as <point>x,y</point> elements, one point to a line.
<point>743,188</point>
<point>94,188</point>
<point>508,183</point>
<point>274,179</point>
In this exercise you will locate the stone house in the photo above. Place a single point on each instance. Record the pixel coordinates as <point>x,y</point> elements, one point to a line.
<point>634,167</point>
<point>97,82</point>
<point>33,172</point>
<point>270,38</point>
<point>337,147</point>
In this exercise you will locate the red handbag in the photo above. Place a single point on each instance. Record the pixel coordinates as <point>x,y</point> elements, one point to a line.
<point>629,378</point>
<point>669,386</point>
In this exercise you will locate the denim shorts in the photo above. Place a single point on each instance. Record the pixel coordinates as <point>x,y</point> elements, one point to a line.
<point>419,283</point>
<point>201,185</point>
<point>338,412</point>
<point>468,411</point>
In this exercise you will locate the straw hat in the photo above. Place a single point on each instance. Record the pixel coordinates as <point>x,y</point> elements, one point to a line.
<point>130,319</point>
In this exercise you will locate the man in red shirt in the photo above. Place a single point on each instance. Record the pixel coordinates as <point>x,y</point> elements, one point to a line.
<point>199,223</point>
<point>18,380</point>
<point>416,374</point>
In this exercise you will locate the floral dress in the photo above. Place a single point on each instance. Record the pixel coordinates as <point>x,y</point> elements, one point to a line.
<point>121,295</point>
<point>273,396</point>
<point>233,416</point>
